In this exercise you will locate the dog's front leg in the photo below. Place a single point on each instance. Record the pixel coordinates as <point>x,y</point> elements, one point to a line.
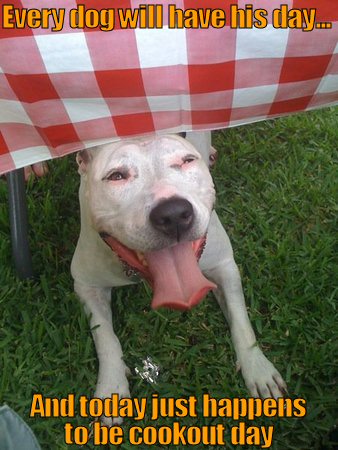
<point>112,369</point>
<point>260,376</point>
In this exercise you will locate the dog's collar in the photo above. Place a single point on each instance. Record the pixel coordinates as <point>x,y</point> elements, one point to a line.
<point>130,271</point>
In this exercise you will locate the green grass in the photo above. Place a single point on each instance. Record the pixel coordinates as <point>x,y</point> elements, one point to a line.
<point>276,198</point>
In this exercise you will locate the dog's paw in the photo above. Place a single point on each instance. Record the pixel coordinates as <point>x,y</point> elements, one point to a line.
<point>116,383</point>
<point>261,377</point>
<point>110,421</point>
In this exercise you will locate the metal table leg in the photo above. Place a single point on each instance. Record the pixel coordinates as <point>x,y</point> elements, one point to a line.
<point>18,219</point>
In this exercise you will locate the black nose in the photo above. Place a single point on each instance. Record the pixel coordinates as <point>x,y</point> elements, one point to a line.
<point>172,217</point>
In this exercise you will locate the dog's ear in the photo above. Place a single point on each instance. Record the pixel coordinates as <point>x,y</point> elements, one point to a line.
<point>212,156</point>
<point>83,158</point>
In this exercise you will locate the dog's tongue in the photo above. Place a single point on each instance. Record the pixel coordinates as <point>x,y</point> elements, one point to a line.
<point>173,272</point>
<point>177,280</point>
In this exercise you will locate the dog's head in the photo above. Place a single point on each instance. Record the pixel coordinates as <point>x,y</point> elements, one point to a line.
<point>151,200</point>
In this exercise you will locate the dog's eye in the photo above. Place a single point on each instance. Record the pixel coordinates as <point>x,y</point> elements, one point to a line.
<point>116,176</point>
<point>188,159</point>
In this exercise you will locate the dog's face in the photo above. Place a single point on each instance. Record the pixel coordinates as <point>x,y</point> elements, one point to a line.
<point>151,201</point>
<point>134,186</point>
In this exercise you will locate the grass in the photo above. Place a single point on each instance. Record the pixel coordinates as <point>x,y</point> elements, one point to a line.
<point>276,198</point>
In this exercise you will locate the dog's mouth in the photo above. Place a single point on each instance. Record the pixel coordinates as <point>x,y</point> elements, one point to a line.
<point>173,272</point>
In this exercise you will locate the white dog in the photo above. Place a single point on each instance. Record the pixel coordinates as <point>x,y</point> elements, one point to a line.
<point>147,211</point>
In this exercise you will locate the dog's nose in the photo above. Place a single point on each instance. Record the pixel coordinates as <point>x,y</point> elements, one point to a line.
<point>172,217</point>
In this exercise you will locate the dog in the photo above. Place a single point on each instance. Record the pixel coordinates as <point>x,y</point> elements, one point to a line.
<point>147,211</point>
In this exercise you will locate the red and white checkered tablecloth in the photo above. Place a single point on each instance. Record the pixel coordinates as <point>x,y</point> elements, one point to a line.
<point>61,91</point>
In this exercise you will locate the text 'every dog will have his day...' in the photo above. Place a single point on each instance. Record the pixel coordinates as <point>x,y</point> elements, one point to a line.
<point>153,16</point>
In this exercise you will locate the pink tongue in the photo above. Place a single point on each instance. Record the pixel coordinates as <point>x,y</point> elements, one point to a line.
<point>177,280</point>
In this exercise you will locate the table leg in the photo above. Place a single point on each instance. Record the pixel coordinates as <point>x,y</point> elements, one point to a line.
<point>18,219</point>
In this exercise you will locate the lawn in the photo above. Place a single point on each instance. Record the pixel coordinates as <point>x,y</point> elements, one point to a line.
<point>276,198</point>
